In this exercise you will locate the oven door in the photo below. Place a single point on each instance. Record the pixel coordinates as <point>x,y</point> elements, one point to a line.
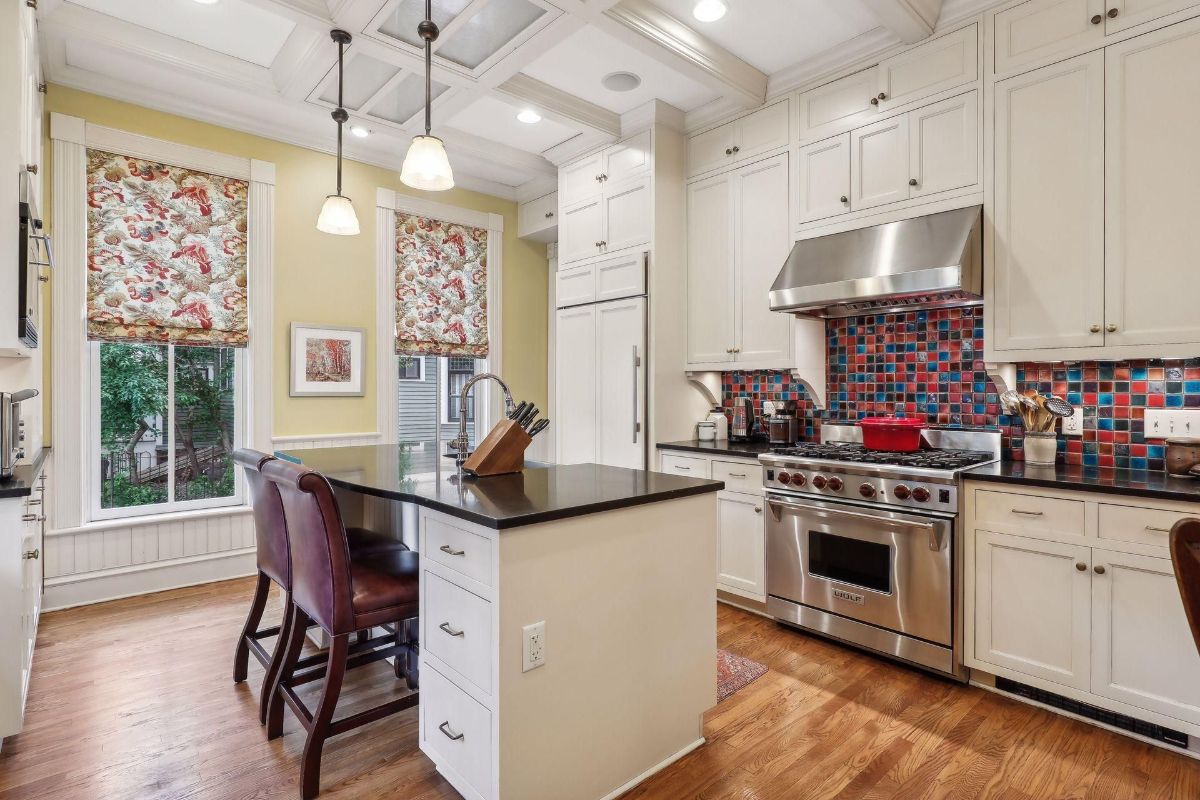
<point>874,565</point>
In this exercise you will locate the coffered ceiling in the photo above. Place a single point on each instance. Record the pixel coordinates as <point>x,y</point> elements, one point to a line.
<point>269,67</point>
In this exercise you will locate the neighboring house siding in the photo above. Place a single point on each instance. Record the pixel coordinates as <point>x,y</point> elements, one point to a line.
<point>418,410</point>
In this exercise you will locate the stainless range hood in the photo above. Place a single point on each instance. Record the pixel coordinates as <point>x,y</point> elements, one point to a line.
<point>926,262</point>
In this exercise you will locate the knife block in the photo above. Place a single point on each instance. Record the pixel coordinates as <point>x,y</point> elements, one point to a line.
<point>501,452</point>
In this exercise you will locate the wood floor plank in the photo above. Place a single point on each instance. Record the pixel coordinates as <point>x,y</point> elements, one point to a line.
<point>133,699</point>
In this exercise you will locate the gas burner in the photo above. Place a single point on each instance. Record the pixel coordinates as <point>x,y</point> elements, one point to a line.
<point>857,454</point>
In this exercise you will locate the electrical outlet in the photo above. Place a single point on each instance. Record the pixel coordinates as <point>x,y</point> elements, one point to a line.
<point>533,651</point>
<point>1163,422</point>
<point>1073,425</point>
<point>768,408</point>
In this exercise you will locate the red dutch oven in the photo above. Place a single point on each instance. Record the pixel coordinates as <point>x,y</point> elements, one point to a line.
<point>899,434</point>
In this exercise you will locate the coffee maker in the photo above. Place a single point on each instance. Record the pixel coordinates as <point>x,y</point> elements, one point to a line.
<point>743,420</point>
<point>12,430</point>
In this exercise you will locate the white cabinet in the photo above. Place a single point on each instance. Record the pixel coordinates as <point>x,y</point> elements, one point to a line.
<point>752,135</point>
<point>879,163</point>
<point>934,66</point>
<point>737,241</point>
<point>741,564</point>
<point>616,219</point>
<point>1049,207</point>
<point>943,142</point>
<point>31,95</point>
<point>23,521</point>
<point>1033,606</point>
<point>575,402</point>
<point>1036,30</point>
<point>580,229</point>
<point>595,282</point>
<point>838,106</point>
<point>626,159</point>
<point>580,179</point>
<point>823,179</point>
<point>538,219</point>
<point>1135,12</point>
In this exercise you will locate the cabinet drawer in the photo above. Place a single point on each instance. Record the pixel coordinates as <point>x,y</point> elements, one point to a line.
<point>574,286</point>
<point>744,478</point>
<point>457,731</point>
<point>684,465</point>
<point>1139,525</point>
<point>458,629</point>
<point>618,278</point>
<point>459,550</point>
<point>1029,515</point>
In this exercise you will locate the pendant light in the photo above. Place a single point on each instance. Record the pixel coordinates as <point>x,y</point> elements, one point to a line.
<point>426,166</point>
<point>337,215</point>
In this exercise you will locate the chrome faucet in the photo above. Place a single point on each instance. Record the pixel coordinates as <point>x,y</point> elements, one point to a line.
<point>462,444</point>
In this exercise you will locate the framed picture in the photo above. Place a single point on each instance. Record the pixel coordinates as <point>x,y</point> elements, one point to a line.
<point>327,361</point>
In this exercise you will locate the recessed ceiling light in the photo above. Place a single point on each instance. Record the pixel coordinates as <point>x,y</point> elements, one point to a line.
<point>529,116</point>
<point>621,81</point>
<point>709,10</point>
<point>207,2</point>
<point>360,131</point>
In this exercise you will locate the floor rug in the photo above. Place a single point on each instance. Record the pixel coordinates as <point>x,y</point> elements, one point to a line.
<point>735,672</point>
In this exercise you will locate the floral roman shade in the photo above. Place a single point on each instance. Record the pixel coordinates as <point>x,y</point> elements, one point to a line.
<point>441,288</point>
<point>166,253</point>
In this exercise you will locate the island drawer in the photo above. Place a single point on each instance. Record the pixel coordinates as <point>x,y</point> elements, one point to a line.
<point>458,629</point>
<point>684,465</point>
<point>1029,514</point>
<point>461,551</point>
<point>739,477</point>
<point>1150,526</point>
<point>457,732</point>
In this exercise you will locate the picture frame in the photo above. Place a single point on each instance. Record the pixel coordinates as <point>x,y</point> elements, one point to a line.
<point>327,361</point>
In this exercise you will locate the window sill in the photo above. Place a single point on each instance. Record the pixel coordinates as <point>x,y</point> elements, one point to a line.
<point>152,519</point>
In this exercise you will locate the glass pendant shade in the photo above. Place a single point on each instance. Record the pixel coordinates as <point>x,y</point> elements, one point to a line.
<point>426,165</point>
<point>338,217</point>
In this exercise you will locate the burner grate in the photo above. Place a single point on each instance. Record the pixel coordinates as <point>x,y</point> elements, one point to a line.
<point>857,454</point>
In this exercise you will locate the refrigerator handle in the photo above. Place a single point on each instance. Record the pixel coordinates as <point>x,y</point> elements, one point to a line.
<point>637,362</point>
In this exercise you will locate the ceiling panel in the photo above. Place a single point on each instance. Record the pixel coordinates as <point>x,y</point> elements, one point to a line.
<point>498,121</point>
<point>402,22</point>
<point>364,77</point>
<point>577,64</point>
<point>774,34</point>
<point>488,31</point>
<point>404,99</point>
<point>233,27</point>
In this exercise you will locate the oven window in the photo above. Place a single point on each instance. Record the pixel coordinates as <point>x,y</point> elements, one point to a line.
<point>838,558</point>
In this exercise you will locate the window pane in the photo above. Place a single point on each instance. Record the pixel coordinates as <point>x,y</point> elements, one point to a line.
<point>133,407</point>
<point>422,420</point>
<point>204,422</point>
<point>458,372</point>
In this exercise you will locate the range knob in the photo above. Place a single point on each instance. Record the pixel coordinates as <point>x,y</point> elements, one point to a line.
<point>867,490</point>
<point>920,494</point>
<point>798,479</point>
<point>835,483</point>
<point>818,481</point>
<point>785,478</point>
<point>902,492</point>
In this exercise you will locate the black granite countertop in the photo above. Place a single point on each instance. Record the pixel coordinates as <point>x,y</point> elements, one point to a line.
<point>1136,483</point>
<point>721,447</point>
<point>22,482</point>
<point>542,493</point>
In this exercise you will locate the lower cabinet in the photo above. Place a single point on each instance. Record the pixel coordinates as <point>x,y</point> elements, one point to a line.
<point>22,520</point>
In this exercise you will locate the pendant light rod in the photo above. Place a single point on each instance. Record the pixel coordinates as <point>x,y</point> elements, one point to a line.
<point>337,212</point>
<point>428,30</point>
<point>339,114</point>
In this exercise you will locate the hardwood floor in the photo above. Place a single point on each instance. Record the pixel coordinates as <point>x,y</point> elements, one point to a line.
<point>133,699</point>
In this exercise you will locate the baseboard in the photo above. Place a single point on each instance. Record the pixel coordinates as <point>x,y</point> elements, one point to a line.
<point>744,603</point>
<point>100,586</point>
<point>659,767</point>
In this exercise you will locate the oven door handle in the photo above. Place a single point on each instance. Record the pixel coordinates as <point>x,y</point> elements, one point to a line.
<point>935,530</point>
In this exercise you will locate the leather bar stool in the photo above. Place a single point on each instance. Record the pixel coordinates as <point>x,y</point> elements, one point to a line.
<point>271,552</point>
<point>1185,556</point>
<point>343,596</point>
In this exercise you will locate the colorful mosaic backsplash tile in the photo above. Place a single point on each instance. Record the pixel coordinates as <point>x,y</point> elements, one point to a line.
<point>929,364</point>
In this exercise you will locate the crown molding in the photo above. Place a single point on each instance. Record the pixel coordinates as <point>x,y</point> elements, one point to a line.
<point>911,21</point>
<point>647,115</point>
<point>843,59</point>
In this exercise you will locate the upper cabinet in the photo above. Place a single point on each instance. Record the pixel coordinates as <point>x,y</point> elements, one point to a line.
<point>604,201</point>
<point>823,179</point>
<point>537,219</point>
<point>591,175</point>
<point>838,106</point>
<point>735,142</point>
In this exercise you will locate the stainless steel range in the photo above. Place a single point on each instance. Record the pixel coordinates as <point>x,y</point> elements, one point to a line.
<point>863,545</point>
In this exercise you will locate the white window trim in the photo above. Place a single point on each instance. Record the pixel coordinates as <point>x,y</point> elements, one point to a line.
<point>72,491</point>
<point>387,203</point>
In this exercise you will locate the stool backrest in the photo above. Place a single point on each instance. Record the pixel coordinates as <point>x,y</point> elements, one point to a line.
<point>270,527</point>
<point>320,556</point>
<point>1185,555</point>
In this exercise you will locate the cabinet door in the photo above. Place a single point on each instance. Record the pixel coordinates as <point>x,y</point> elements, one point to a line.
<point>710,150</point>
<point>1033,607</point>
<point>823,179</point>
<point>1035,31</point>
<point>838,106</point>
<point>1152,120</point>
<point>620,381</point>
<point>1135,12</point>
<point>624,276</point>
<point>762,242</point>
<point>1142,648</point>
<point>740,551</point>
<point>939,64</point>
<point>575,286</point>
<point>538,219</point>
<point>575,378</point>
<point>31,98</point>
<point>626,215</point>
<point>943,141</point>
<point>879,163</point>
<point>627,159</point>
<point>710,282</point>
<point>762,131</point>
<point>580,231</point>
<point>580,180</point>
<point>1049,208</point>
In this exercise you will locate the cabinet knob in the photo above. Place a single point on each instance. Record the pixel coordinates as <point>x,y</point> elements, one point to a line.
<point>1112,13</point>
<point>1111,328</point>
<point>1098,569</point>
<point>844,199</point>
<point>603,243</point>
<point>31,168</point>
<point>603,176</point>
<point>549,214</point>
<point>32,554</point>
<point>1095,329</point>
<point>874,101</point>
<point>758,509</point>
<point>1082,567</point>
<point>1097,19</point>
<point>912,181</point>
<point>736,149</point>
<point>883,95</point>
<point>728,151</point>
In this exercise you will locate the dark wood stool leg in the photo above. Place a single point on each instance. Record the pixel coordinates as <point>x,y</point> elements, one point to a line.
<point>310,769</point>
<point>294,641</point>
<point>271,678</point>
<point>408,667</point>
<point>242,653</point>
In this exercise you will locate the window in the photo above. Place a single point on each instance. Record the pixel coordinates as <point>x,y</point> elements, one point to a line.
<point>458,372</point>
<point>412,368</point>
<point>166,425</point>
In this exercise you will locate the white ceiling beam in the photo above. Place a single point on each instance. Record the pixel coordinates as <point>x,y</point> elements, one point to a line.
<point>911,20</point>
<point>559,106</point>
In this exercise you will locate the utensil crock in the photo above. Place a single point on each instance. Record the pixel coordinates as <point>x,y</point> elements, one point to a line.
<point>1040,448</point>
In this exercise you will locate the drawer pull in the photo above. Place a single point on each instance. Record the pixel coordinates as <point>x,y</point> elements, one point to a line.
<point>32,554</point>
<point>1158,530</point>
<point>445,729</point>
<point>682,468</point>
<point>1029,513</point>
<point>445,626</point>
<point>737,475</point>
<point>30,518</point>
<point>450,551</point>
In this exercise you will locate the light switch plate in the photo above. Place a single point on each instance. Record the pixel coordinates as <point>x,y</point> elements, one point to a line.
<point>533,646</point>
<point>1073,425</point>
<point>1163,422</point>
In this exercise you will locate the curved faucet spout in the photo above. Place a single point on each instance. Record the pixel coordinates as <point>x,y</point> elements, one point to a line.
<point>462,443</point>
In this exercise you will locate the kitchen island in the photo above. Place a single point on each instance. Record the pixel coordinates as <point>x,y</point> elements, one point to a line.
<point>616,564</point>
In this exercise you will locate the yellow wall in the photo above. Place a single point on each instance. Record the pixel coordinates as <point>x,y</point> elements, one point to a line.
<point>326,279</point>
